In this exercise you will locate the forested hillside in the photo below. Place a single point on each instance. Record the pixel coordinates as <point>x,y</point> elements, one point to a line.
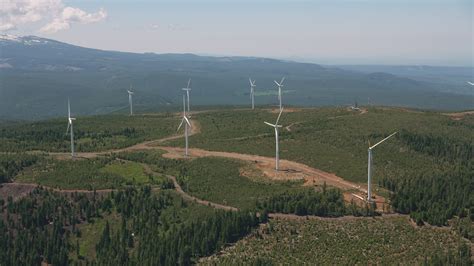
<point>38,76</point>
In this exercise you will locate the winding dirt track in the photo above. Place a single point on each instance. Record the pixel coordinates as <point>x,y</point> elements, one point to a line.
<point>289,170</point>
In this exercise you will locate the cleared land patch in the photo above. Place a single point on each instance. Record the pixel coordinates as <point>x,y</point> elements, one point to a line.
<point>339,241</point>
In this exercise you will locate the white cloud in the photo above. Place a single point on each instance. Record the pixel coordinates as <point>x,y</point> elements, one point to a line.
<point>70,15</point>
<point>7,27</point>
<point>15,13</point>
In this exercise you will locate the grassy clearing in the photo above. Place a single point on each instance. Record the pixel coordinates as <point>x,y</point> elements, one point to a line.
<point>132,172</point>
<point>90,234</point>
<point>216,179</point>
<point>334,139</point>
<point>345,241</point>
<point>90,174</point>
<point>219,180</point>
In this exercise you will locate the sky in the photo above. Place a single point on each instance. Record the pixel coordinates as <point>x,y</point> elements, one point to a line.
<point>389,32</point>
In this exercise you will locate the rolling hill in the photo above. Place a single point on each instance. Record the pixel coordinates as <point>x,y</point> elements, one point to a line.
<point>37,75</point>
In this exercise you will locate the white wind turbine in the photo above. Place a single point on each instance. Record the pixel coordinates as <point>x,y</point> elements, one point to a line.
<point>369,166</point>
<point>187,125</point>
<point>130,102</point>
<point>69,125</point>
<point>470,83</point>
<point>252,91</point>
<point>276,127</point>
<point>187,89</point>
<point>279,89</point>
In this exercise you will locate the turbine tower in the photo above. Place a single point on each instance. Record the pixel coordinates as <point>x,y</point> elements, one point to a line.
<point>252,91</point>
<point>279,89</point>
<point>69,125</point>
<point>187,124</point>
<point>130,102</point>
<point>276,127</point>
<point>187,89</point>
<point>369,167</point>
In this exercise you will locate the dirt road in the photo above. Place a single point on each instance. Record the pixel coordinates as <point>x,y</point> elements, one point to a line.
<point>289,170</point>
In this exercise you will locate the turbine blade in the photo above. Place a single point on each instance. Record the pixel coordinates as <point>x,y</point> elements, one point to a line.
<point>189,82</point>
<point>282,79</point>
<point>68,125</point>
<point>278,119</point>
<point>68,108</point>
<point>269,124</point>
<point>278,84</point>
<point>180,124</point>
<point>187,120</point>
<point>383,140</point>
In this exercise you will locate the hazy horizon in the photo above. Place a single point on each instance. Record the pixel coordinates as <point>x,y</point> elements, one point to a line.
<point>354,32</point>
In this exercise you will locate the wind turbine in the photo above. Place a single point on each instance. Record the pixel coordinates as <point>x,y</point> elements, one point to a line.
<point>252,86</point>
<point>187,89</point>
<point>187,124</point>
<point>130,102</point>
<point>470,83</point>
<point>369,167</point>
<point>279,89</point>
<point>69,125</point>
<point>276,126</point>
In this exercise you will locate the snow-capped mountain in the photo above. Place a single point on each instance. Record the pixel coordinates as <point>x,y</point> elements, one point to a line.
<point>25,40</point>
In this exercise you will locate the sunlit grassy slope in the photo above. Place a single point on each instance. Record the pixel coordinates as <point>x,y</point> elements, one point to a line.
<point>336,139</point>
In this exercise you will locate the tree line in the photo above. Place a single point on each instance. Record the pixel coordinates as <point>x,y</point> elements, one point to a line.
<point>329,202</point>
<point>12,164</point>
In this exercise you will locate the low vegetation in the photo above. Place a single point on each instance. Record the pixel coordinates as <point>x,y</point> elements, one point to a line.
<point>430,149</point>
<point>89,174</point>
<point>345,241</point>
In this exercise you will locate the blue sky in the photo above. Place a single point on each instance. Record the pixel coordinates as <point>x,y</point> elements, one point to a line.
<point>327,32</point>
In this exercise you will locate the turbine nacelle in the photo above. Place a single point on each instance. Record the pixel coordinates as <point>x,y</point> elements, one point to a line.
<point>252,83</point>
<point>185,119</point>
<point>187,87</point>
<point>281,82</point>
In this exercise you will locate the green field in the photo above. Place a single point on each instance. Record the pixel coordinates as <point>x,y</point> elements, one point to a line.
<point>216,179</point>
<point>334,139</point>
<point>379,241</point>
<point>98,173</point>
<point>132,172</point>
<point>219,180</point>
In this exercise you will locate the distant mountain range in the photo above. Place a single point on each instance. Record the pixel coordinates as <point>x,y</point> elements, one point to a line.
<point>37,75</point>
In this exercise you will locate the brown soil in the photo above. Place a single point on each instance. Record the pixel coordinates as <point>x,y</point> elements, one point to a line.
<point>459,116</point>
<point>288,170</point>
<point>285,110</point>
<point>14,190</point>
